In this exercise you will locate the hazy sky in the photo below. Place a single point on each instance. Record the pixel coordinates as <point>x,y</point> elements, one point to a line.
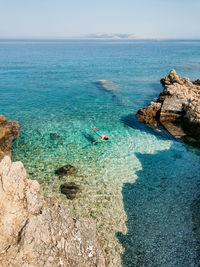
<point>60,18</point>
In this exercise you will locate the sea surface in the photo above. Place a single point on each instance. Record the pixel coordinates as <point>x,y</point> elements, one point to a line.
<point>141,189</point>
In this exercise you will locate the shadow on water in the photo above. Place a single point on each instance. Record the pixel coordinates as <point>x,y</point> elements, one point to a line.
<point>111,89</point>
<point>158,208</point>
<point>89,137</point>
<point>131,121</point>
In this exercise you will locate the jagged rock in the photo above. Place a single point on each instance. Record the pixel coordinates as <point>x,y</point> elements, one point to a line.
<point>36,231</point>
<point>180,88</point>
<point>197,82</point>
<point>180,107</point>
<point>191,119</point>
<point>149,114</point>
<point>66,170</point>
<point>70,190</point>
<point>174,78</point>
<point>9,130</point>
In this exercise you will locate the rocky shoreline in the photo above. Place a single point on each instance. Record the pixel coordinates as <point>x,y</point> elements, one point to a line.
<point>177,108</point>
<point>9,130</point>
<point>36,231</point>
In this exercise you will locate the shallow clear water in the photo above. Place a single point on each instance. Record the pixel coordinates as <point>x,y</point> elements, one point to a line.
<point>138,189</point>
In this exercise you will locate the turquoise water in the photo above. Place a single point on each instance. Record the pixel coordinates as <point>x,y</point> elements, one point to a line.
<point>138,189</point>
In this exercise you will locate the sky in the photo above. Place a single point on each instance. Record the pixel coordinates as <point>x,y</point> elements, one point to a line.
<point>70,18</point>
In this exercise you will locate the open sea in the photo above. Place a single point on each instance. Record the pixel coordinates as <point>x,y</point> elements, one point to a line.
<point>140,190</point>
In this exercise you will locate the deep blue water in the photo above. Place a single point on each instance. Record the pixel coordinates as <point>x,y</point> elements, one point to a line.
<point>49,86</point>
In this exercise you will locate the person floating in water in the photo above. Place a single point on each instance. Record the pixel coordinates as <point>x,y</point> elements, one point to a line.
<point>103,136</point>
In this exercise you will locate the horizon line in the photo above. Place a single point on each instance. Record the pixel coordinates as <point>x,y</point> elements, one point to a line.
<point>93,38</point>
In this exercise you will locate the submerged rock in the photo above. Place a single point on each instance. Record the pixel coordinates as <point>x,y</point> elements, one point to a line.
<point>9,130</point>
<point>66,170</point>
<point>36,231</point>
<point>179,107</point>
<point>54,136</point>
<point>106,85</point>
<point>70,190</point>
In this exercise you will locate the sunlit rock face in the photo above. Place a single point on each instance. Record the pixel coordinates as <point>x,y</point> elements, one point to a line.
<point>38,232</point>
<point>149,114</point>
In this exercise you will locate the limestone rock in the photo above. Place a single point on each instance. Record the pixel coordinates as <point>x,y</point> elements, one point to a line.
<point>174,78</point>
<point>171,109</point>
<point>35,231</point>
<point>191,119</point>
<point>9,130</point>
<point>180,107</point>
<point>149,114</point>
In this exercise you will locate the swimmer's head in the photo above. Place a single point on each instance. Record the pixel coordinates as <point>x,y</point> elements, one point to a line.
<point>106,138</point>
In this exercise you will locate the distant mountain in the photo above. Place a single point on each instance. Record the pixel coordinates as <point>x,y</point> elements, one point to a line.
<point>118,36</point>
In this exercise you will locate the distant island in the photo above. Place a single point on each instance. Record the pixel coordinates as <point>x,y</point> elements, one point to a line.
<point>119,36</point>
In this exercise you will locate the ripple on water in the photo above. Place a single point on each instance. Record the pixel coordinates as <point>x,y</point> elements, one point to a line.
<point>103,169</point>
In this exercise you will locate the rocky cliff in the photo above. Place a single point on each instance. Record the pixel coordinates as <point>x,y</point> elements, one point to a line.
<point>177,108</point>
<point>35,231</point>
<point>9,130</point>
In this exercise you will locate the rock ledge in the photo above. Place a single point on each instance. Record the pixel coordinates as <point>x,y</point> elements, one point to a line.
<point>35,231</point>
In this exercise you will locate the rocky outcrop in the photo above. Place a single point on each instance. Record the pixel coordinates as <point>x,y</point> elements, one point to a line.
<point>9,130</point>
<point>149,114</point>
<point>35,231</point>
<point>179,104</point>
<point>191,119</point>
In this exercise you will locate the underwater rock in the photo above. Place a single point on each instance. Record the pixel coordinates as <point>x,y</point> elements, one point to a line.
<point>9,130</point>
<point>66,170</point>
<point>70,190</point>
<point>56,139</point>
<point>106,85</point>
<point>37,231</point>
<point>180,107</point>
<point>54,136</point>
